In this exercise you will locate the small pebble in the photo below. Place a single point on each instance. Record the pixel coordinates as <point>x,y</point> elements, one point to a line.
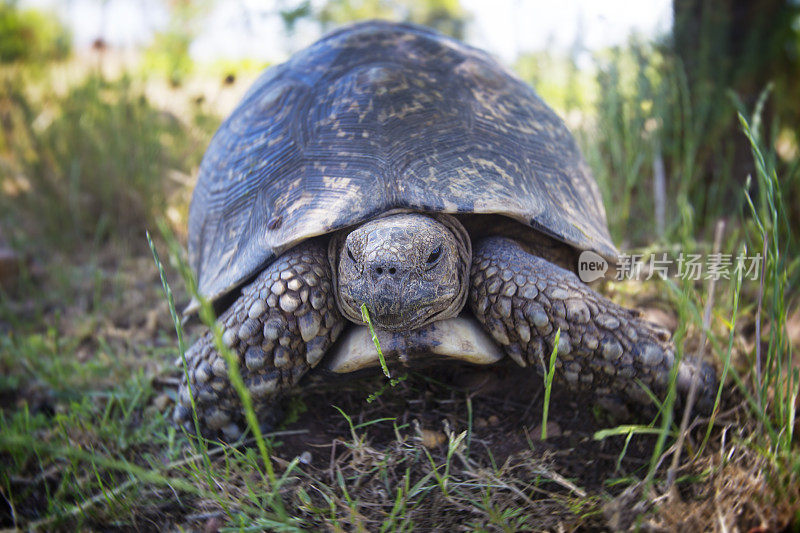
<point>553,430</point>
<point>431,438</point>
<point>212,525</point>
<point>162,401</point>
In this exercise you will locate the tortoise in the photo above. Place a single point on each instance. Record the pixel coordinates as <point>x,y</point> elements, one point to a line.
<point>391,166</point>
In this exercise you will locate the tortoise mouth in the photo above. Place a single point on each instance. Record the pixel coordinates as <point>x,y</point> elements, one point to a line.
<point>461,338</point>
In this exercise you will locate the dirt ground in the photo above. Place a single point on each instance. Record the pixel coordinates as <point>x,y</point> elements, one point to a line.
<point>570,481</point>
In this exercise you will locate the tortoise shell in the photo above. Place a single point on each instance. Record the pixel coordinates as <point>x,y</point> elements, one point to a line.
<point>380,117</point>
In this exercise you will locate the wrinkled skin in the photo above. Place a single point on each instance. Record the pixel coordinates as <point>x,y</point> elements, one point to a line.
<point>415,271</point>
<point>409,269</point>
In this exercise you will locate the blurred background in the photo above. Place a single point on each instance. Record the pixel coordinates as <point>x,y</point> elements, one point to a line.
<point>106,106</point>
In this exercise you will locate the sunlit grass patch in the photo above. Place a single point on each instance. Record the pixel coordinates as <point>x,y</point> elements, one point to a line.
<point>89,164</point>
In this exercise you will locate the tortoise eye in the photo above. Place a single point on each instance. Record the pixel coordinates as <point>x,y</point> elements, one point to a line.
<point>434,255</point>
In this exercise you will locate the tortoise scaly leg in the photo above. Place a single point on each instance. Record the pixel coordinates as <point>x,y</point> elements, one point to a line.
<point>522,300</point>
<point>280,326</point>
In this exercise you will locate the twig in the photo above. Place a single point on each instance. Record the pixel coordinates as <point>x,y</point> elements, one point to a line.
<point>659,192</point>
<point>10,506</point>
<point>690,398</point>
<point>758,324</point>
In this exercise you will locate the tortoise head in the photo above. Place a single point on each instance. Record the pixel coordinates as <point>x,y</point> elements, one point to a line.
<point>409,269</point>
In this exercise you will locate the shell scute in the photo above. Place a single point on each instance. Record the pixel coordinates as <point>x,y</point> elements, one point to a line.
<point>377,117</point>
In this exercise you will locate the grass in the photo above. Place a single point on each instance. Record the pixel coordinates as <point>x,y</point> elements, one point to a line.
<point>90,162</point>
<point>269,479</point>
<point>381,359</point>
<point>88,337</point>
<point>548,382</point>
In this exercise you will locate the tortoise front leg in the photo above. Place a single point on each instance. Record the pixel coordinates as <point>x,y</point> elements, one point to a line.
<point>280,326</point>
<point>522,300</point>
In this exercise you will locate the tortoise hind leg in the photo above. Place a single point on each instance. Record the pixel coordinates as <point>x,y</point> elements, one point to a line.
<point>280,326</point>
<point>522,300</point>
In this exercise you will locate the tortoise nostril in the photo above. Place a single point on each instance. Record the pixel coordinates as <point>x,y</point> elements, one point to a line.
<point>385,271</point>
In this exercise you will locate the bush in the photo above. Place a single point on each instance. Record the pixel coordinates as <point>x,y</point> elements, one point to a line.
<point>30,35</point>
<point>93,163</point>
